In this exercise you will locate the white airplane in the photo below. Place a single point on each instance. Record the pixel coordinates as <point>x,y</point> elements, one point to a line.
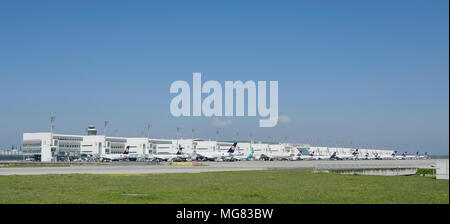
<point>215,156</point>
<point>116,157</point>
<point>395,156</point>
<point>392,156</point>
<point>211,156</point>
<point>297,157</point>
<point>405,156</point>
<point>234,157</point>
<point>313,156</point>
<point>424,156</point>
<point>353,156</point>
<point>279,156</point>
<point>179,156</point>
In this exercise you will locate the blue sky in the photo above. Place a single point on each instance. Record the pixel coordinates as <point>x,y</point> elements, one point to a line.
<point>354,73</point>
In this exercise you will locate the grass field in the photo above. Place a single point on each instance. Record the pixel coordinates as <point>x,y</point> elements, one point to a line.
<point>268,186</point>
<point>22,166</point>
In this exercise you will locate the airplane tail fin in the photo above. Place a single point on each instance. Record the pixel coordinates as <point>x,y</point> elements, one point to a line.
<point>127,150</point>
<point>233,148</point>
<point>333,156</point>
<point>251,155</point>
<point>180,149</point>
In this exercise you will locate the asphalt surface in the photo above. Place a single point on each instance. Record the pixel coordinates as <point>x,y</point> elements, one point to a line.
<point>217,166</point>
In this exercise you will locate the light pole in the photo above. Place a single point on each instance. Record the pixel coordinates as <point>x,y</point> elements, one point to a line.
<point>148,130</point>
<point>192,141</point>
<point>251,140</point>
<point>52,119</point>
<point>106,124</point>
<point>178,129</point>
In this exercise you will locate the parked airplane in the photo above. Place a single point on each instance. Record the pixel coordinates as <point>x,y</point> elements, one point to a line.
<point>243,157</point>
<point>313,156</point>
<point>213,156</point>
<point>116,157</point>
<point>406,156</point>
<point>179,155</point>
<point>335,157</point>
<point>231,156</point>
<point>298,156</point>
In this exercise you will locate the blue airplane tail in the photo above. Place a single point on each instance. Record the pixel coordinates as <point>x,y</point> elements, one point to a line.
<point>127,150</point>
<point>180,149</point>
<point>233,148</point>
<point>333,156</point>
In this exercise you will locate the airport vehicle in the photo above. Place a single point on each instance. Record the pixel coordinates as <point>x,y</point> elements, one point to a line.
<point>116,157</point>
<point>280,151</point>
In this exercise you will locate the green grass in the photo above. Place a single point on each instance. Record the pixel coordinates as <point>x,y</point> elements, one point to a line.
<point>268,186</point>
<point>33,165</point>
<point>421,171</point>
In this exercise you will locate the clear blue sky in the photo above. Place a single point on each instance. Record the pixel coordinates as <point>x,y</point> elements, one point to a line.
<point>350,72</point>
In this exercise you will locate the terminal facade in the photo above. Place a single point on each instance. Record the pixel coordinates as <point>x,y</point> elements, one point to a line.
<point>48,147</point>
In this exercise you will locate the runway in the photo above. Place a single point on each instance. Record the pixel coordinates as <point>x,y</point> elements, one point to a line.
<point>217,167</point>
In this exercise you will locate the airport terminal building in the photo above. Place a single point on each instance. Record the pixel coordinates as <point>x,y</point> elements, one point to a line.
<point>48,147</point>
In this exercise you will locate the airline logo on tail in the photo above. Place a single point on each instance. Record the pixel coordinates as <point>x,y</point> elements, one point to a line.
<point>127,150</point>
<point>299,153</point>
<point>233,147</point>
<point>333,156</point>
<point>312,153</point>
<point>394,153</point>
<point>251,155</point>
<point>355,152</point>
<point>180,149</point>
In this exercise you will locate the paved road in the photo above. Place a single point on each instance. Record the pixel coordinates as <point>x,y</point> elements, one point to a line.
<point>216,166</point>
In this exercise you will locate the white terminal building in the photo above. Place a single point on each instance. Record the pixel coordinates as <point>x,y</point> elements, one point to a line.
<point>47,146</point>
